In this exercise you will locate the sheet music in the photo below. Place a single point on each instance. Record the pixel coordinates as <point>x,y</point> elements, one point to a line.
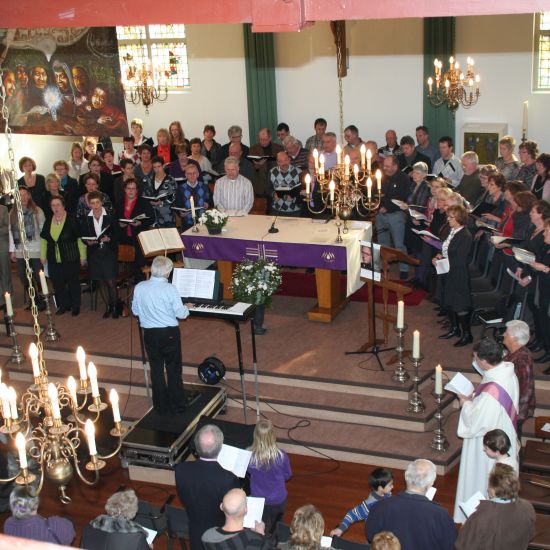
<point>460,385</point>
<point>194,283</point>
<point>470,505</point>
<point>255,507</point>
<point>234,459</point>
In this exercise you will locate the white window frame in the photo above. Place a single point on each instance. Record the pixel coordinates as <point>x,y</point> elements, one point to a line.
<point>537,34</point>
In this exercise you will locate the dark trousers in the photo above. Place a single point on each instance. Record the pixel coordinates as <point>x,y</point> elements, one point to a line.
<point>273,513</point>
<point>65,277</point>
<point>163,347</point>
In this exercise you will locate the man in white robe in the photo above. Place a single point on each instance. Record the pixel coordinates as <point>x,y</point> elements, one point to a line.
<point>493,405</point>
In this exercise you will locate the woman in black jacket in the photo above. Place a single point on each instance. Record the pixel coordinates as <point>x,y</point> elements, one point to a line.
<point>63,252</point>
<point>456,291</point>
<point>98,232</point>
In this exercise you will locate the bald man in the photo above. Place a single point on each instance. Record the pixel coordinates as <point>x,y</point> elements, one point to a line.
<point>233,535</point>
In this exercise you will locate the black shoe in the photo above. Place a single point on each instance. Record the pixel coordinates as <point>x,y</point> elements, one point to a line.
<point>75,311</point>
<point>453,333</point>
<point>108,312</point>
<point>543,359</point>
<point>259,331</point>
<point>115,313</point>
<point>61,310</point>
<point>464,341</point>
<point>465,329</point>
<point>403,275</point>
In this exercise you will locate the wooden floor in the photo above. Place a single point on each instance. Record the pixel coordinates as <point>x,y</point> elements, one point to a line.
<point>333,487</point>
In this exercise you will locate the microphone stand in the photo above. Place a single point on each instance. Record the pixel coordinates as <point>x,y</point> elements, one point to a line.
<point>273,229</point>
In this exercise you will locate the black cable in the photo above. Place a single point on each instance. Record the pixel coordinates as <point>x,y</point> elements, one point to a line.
<point>130,317</point>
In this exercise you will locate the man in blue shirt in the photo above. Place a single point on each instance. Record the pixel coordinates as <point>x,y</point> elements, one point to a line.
<point>159,306</point>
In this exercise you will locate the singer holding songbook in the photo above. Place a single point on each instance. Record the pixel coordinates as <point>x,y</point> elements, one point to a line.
<point>284,187</point>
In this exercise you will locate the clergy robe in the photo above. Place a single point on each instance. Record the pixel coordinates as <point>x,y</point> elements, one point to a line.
<point>477,417</point>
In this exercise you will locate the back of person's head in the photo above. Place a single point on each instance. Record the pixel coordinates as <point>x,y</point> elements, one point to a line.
<point>23,504</point>
<point>122,504</point>
<point>264,447</point>
<point>208,441</point>
<point>234,504</point>
<point>161,267</point>
<point>420,475</point>
<point>385,540</point>
<point>497,441</point>
<point>489,350</point>
<point>503,482</point>
<point>380,477</point>
<point>307,528</point>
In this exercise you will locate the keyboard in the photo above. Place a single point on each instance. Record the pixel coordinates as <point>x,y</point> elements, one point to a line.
<point>232,311</point>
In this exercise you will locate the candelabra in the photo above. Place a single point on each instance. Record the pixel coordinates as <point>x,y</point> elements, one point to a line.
<point>142,87</point>
<point>439,442</point>
<point>16,353</point>
<point>400,374</point>
<point>454,88</point>
<point>416,404</point>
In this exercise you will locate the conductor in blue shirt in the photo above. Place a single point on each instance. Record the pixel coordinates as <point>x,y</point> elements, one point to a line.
<point>158,305</point>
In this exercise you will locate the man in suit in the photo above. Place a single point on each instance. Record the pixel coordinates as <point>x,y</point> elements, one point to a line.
<point>202,484</point>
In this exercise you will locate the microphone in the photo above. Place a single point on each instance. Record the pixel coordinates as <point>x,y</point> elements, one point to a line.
<point>273,229</point>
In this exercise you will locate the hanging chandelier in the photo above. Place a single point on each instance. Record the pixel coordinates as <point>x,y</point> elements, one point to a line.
<point>454,88</point>
<point>144,86</point>
<point>50,421</point>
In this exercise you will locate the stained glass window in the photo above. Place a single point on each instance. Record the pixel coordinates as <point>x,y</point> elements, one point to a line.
<point>161,50</point>
<point>541,57</point>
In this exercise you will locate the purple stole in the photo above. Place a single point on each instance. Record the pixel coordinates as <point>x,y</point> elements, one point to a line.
<point>502,396</point>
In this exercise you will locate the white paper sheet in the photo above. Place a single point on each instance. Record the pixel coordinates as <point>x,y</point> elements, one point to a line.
<point>430,493</point>
<point>255,511</point>
<point>235,460</point>
<point>151,534</point>
<point>442,266</point>
<point>470,506</point>
<point>326,542</point>
<point>460,385</point>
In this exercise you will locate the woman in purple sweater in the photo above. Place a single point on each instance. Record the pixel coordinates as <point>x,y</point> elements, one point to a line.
<point>269,470</point>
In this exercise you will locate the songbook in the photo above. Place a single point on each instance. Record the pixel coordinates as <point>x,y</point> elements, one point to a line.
<point>234,459</point>
<point>255,511</point>
<point>187,210</point>
<point>260,157</point>
<point>158,197</point>
<point>98,237</point>
<point>196,283</point>
<point>442,266</point>
<point>417,215</point>
<point>155,242</point>
<point>470,506</point>
<point>326,542</point>
<point>460,385</point>
<point>425,232</point>
<point>132,220</point>
<point>430,493</point>
<point>523,256</point>
<point>483,225</point>
<point>498,239</point>
<point>151,534</point>
<point>401,204</point>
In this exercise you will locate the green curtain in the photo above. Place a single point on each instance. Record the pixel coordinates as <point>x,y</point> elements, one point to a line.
<point>260,81</point>
<point>439,41</point>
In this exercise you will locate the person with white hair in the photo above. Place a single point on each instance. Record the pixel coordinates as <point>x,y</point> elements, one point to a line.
<point>470,185</point>
<point>233,191</point>
<point>411,516</point>
<point>516,338</point>
<point>158,305</point>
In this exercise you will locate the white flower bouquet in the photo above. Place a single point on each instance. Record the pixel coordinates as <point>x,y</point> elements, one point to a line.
<point>214,220</point>
<point>256,282</point>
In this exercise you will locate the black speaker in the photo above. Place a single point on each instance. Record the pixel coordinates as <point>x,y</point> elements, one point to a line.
<point>211,371</point>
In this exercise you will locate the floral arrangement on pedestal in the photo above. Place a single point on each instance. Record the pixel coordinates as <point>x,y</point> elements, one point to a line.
<point>214,220</point>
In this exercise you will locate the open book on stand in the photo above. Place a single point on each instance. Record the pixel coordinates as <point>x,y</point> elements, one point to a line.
<point>155,242</point>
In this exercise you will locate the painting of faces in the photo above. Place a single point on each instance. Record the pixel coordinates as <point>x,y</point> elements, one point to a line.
<point>63,82</point>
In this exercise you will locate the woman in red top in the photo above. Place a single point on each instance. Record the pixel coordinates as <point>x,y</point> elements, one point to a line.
<point>163,148</point>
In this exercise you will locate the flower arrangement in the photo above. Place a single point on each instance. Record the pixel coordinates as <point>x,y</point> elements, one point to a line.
<point>256,282</point>
<point>214,220</point>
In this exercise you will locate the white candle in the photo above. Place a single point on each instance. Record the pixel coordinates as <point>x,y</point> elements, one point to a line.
<point>525,116</point>
<point>369,188</point>
<point>20,443</point>
<point>331,187</point>
<point>356,171</point>
<point>6,411</point>
<point>363,150</point>
<point>113,398</point>
<point>12,398</point>
<point>316,158</point>
<point>430,84</point>
<point>33,353</point>
<point>54,401</point>
<point>71,385</point>
<point>81,358</point>
<point>308,184</point>
<point>338,154</point>
<point>438,380</point>
<point>90,435</point>
<point>9,305</point>
<point>416,344</point>
<point>192,203</point>
<point>92,373</point>
<point>321,165</point>
<point>369,160</point>
<point>346,165</point>
<point>379,180</point>
<point>400,314</point>
<point>43,283</point>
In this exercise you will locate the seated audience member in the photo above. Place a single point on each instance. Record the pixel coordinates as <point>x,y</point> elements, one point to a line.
<point>136,129</point>
<point>161,193</point>
<point>68,185</point>
<point>493,405</point>
<point>470,184</point>
<point>35,183</point>
<point>391,149</point>
<point>163,148</point>
<point>25,522</point>
<point>391,220</point>
<point>385,541</point>
<point>496,445</point>
<point>233,191</point>
<point>264,148</point>
<point>202,484</point>
<point>381,485</point>
<point>192,187</point>
<point>206,171</point>
<point>505,521</point>
<point>410,156</point>
<point>316,140</point>
<point>78,165</point>
<point>269,470</point>
<point>177,168</point>
<point>235,135</point>
<point>299,156</point>
<point>425,146</point>
<point>210,148</point>
<point>233,535</point>
<point>306,529</point>
<point>121,508</point>
<point>129,150</point>
<point>91,184</point>
<point>540,185</point>
<point>353,141</point>
<point>447,166</point>
<point>131,206</point>
<point>528,153</point>
<point>284,187</point>
<point>246,168</point>
<point>507,163</point>
<point>127,166</point>
<point>516,338</point>
<point>415,520</point>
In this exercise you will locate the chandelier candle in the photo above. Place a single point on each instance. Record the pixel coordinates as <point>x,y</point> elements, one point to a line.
<point>90,436</point>
<point>20,443</point>
<point>71,386</point>
<point>33,353</point>
<point>54,401</point>
<point>12,398</point>
<point>92,373</point>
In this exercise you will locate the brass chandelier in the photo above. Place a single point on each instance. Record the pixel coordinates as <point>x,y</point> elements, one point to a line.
<point>50,421</point>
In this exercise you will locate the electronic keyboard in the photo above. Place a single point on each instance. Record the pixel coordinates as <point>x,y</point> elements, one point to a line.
<point>225,310</point>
